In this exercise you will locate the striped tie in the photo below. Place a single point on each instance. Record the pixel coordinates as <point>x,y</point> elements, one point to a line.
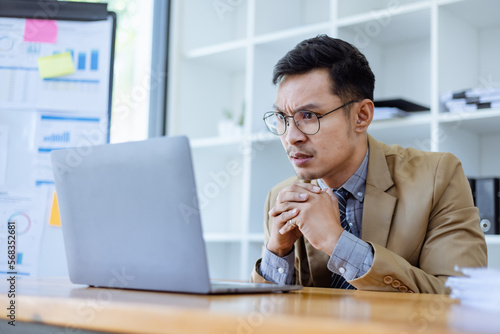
<point>338,281</point>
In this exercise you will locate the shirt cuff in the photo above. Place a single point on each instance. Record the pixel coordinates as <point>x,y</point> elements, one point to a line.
<point>277,269</point>
<point>351,258</point>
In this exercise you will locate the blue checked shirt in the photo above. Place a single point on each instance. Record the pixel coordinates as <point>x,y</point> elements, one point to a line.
<point>351,258</point>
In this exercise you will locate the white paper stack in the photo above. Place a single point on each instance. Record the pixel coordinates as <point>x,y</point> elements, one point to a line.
<point>388,112</point>
<point>471,99</point>
<point>479,288</point>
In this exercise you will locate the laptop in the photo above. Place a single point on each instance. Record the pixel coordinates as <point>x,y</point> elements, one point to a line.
<point>130,219</point>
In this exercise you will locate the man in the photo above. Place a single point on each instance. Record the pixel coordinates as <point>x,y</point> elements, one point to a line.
<point>359,214</point>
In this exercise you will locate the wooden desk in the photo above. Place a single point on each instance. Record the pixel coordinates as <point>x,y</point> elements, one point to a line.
<point>57,302</point>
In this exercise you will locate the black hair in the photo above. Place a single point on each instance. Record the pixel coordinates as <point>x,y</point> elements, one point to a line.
<point>350,73</point>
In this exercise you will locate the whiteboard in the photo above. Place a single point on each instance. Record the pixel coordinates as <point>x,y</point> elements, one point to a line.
<point>41,114</point>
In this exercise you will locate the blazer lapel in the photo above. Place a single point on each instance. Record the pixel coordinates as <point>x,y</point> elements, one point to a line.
<point>378,207</point>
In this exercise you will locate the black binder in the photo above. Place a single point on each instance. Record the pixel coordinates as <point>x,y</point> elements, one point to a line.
<point>487,201</point>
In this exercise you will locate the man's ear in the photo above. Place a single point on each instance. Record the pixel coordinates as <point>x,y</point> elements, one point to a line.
<point>364,115</point>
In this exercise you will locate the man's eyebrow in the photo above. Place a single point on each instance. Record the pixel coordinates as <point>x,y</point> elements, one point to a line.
<point>308,106</point>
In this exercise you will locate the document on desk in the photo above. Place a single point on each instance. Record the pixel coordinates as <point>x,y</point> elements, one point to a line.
<point>479,288</point>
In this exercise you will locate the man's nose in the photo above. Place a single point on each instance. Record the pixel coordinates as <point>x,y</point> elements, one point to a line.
<point>293,135</point>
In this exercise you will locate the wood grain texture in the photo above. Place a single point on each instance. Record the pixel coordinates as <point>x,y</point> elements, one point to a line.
<point>55,301</point>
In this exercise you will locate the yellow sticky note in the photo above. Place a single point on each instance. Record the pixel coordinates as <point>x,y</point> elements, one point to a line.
<point>55,220</point>
<point>56,65</point>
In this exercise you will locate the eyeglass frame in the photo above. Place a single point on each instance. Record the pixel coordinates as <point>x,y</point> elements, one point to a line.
<point>292,116</point>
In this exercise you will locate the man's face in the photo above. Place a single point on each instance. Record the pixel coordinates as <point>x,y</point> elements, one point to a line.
<point>328,154</point>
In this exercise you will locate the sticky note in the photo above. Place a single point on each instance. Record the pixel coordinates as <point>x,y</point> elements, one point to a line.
<point>56,65</point>
<point>55,219</point>
<point>41,31</point>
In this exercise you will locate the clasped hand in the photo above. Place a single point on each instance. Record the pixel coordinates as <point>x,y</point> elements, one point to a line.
<point>314,213</point>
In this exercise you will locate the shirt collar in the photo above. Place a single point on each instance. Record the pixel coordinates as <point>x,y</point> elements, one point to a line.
<point>356,184</point>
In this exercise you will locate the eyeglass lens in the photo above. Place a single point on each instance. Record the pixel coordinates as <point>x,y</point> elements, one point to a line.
<point>306,121</point>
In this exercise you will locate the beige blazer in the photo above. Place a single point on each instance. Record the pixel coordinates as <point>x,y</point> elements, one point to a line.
<point>418,216</point>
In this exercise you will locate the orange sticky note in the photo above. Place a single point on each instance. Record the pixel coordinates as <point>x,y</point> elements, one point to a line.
<point>41,31</point>
<point>55,220</point>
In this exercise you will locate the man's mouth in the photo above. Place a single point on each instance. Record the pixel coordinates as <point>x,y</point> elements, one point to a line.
<point>300,159</point>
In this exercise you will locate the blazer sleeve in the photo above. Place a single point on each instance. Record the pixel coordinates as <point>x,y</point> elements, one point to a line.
<point>453,238</point>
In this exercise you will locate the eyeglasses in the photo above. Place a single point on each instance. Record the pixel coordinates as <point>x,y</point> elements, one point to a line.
<point>306,121</point>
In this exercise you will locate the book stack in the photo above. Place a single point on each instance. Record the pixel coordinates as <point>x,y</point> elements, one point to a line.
<point>479,288</point>
<point>471,99</point>
<point>388,112</point>
<point>392,108</point>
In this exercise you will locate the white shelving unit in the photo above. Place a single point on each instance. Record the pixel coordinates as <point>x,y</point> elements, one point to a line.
<point>222,57</point>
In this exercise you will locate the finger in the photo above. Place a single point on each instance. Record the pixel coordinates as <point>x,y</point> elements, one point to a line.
<point>290,225</point>
<point>279,208</point>
<point>287,221</point>
<point>272,212</point>
<point>282,208</point>
<point>293,196</point>
<point>297,192</point>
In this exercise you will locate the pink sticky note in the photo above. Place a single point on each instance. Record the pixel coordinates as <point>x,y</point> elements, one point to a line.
<point>41,31</point>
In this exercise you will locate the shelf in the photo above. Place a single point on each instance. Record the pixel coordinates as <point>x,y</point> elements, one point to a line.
<point>299,13</point>
<point>448,2</point>
<point>224,59</point>
<point>216,49</point>
<point>264,136</point>
<point>480,122</point>
<point>399,54</point>
<point>256,238</point>
<point>209,87</point>
<point>474,34</point>
<point>348,9</point>
<point>492,239</point>
<point>417,118</point>
<point>206,23</point>
<point>277,37</point>
<point>411,131</point>
<point>403,27</point>
<point>215,142</point>
<point>225,63</point>
<point>468,11</point>
<point>224,260</point>
<point>382,12</point>
<point>219,183</point>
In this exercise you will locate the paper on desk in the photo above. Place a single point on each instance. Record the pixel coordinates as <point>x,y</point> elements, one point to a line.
<point>479,288</point>
<point>56,65</point>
